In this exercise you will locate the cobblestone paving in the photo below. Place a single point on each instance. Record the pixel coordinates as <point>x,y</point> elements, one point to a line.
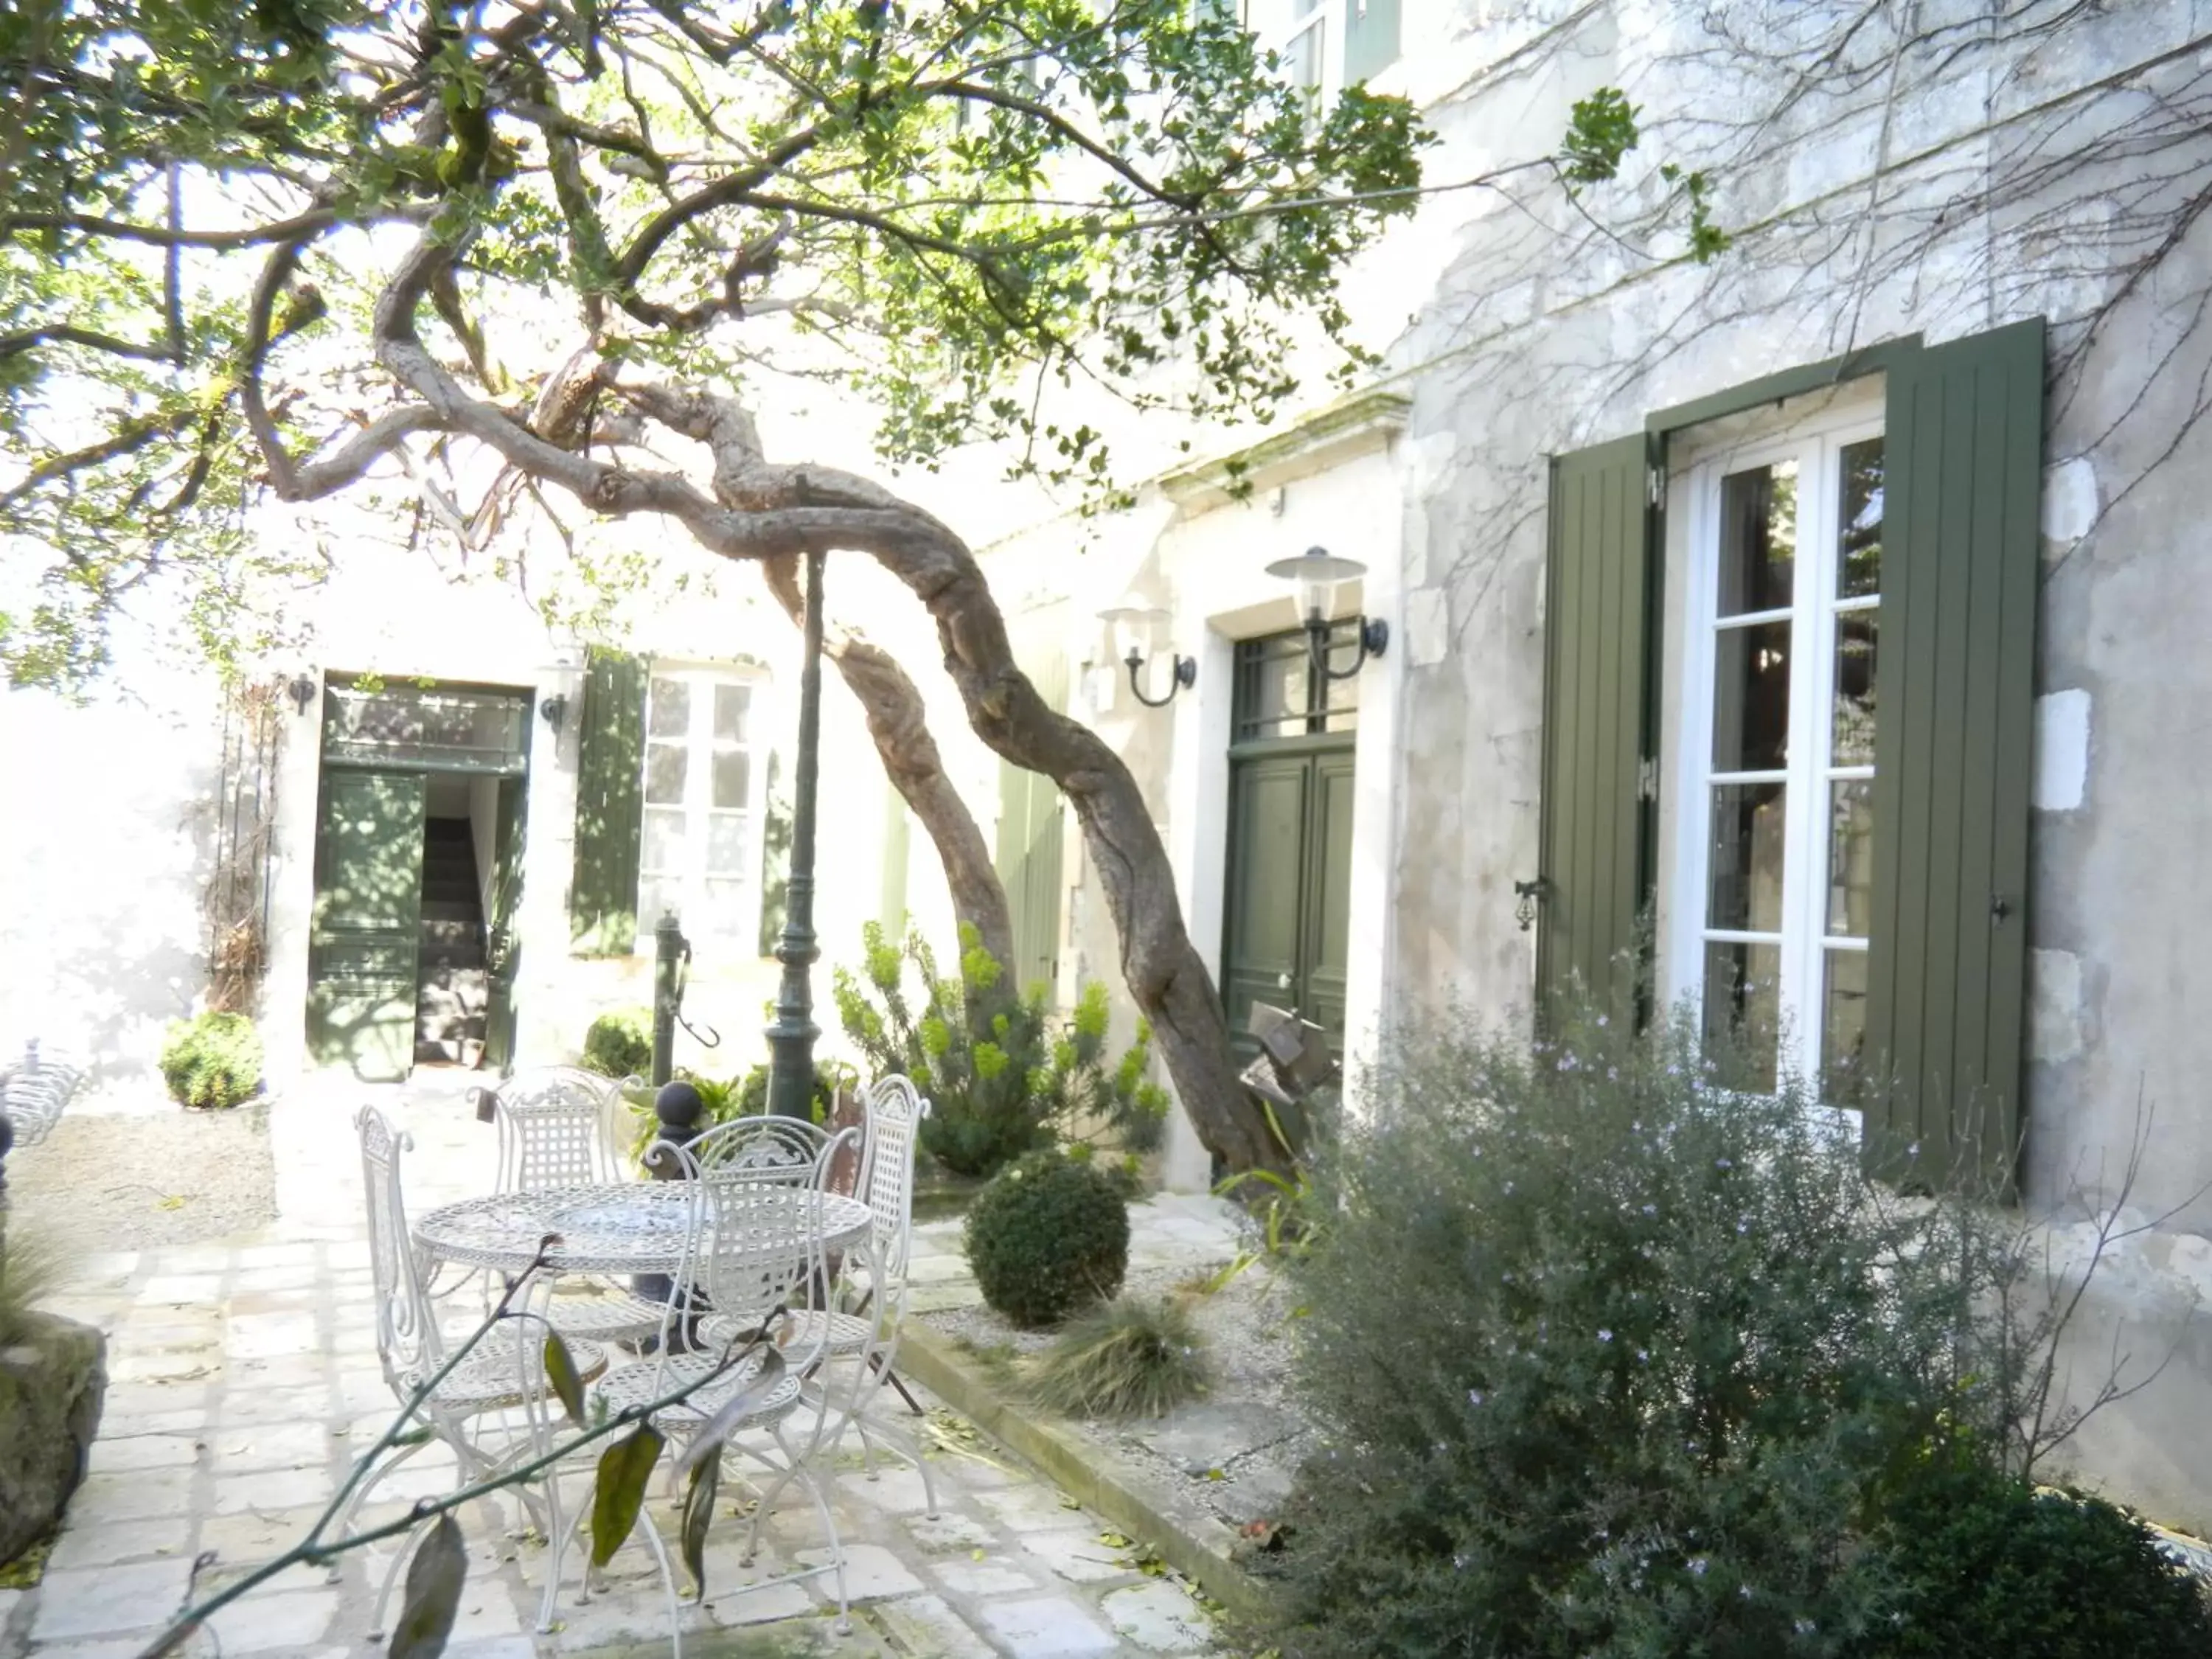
<point>244,1377</point>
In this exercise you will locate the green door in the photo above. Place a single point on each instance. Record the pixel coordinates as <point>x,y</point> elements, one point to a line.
<point>1288,901</point>
<point>1260,958</point>
<point>365,932</point>
<point>503,948</point>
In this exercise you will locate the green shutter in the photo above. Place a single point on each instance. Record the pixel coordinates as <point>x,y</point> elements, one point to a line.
<point>609,806</point>
<point>1596,834</point>
<point>1955,685</point>
<point>1031,818</point>
<point>1370,38</point>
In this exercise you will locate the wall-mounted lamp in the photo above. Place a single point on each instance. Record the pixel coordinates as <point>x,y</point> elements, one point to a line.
<point>1135,625</point>
<point>302,691</point>
<point>1318,573</point>
<point>554,710</point>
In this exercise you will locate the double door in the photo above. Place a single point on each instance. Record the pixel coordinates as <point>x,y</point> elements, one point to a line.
<point>1289,898</point>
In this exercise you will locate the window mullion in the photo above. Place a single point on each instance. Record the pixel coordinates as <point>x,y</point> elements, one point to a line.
<point>1800,965</point>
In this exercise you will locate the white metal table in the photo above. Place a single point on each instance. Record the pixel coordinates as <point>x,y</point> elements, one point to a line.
<point>640,1227</point>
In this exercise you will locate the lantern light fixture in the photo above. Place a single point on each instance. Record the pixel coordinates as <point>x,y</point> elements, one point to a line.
<point>1318,573</point>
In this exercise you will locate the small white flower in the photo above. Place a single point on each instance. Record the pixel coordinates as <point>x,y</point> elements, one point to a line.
<point>1605,1335</point>
<point>1475,1396</point>
<point>1698,1565</point>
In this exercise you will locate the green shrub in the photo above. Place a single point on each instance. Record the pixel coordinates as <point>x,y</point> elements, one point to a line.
<point>1047,1235</point>
<point>1130,1356</point>
<point>211,1061</point>
<point>1001,1080</point>
<point>1606,1360</point>
<point>829,1077</point>
<point>620,1043</point>
<point>1984,1566</point>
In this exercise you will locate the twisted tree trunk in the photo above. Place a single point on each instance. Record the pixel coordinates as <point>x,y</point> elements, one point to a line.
<point>898,723</point>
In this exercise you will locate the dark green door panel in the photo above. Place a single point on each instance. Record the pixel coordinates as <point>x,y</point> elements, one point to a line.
<point>1595,829</point>
<point>1032,820</point>
<point>1947,969</point>
<point>1288,902</point>
<point>1323,954</point>
<point>364,940</point>
<point>1260,956</point>
<point>503,946</point>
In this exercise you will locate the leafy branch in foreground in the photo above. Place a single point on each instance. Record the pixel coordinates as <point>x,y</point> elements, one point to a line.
<point>436,1575</point>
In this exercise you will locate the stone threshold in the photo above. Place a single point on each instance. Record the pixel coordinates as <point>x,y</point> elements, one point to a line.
<point>1196,1543</point>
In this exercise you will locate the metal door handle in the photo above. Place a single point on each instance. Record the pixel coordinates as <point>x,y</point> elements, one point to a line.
<point>1282,981</point>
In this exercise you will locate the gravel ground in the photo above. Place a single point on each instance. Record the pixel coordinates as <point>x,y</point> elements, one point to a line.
<point>115,1182</point>
<point>1235,1450</point>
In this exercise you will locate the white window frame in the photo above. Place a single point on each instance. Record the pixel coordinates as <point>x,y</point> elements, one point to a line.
<point>1816,442</point>
<point>743,927</point>
<point>1283,25</point>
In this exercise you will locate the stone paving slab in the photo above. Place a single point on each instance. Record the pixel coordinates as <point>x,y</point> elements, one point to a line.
<point>244,1377</point>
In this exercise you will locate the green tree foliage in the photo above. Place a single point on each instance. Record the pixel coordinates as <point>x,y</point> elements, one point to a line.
<point>1004,1074</point>
<point>948,208</point>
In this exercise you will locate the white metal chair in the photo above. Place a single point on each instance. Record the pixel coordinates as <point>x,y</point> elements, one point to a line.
<point>34,1091</point>
<point>495,1408</point>
<point>746,1273</point>
<point>562,1126</point>
<point>868,1335</point>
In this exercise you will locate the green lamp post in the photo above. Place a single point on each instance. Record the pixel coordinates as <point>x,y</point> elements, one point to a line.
<point>791,1037</point>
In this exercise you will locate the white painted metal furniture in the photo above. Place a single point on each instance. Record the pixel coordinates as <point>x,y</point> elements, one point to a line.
<point>640,1227</point>
<point>763,1226</point>
<point>34,1091</point>
<point>873,1282</point>
<point>493,1408</point>
<point>563,1127</point>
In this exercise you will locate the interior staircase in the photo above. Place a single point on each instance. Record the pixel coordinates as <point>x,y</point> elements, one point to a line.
<point>452,986</point>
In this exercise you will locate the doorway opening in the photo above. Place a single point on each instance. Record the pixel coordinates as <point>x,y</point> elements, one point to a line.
<point>1288,901</point>
<point>419,871</point>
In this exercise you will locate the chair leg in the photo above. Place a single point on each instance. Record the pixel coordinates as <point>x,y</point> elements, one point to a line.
<point>556,1550</point>
<point>407,1547</point>
<point>807,1479</point>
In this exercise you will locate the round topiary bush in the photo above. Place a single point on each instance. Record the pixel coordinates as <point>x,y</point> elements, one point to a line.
<point>212,1061</point>
<point>620,1044</point>
<point>1047,1235</point>
<point>1983,1567</point>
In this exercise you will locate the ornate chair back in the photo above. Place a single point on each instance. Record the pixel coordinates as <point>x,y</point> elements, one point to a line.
<point>406,1330</point>
<point>557,1127</point>
<point>784,1147</point>
<point>893,1111</point>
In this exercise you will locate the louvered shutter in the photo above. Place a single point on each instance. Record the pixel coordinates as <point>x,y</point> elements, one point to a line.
<point>1947,972</point>
<point>1595,832</point>
<point>1030,820</point>
<point>609,806</point>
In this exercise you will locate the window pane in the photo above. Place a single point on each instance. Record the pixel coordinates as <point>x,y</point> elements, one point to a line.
<point>1858,571</point>
<point>664,840</point>
<point>733,769</point>
<point>1843,1024</point>
<point>1743,1011</point>
<point>731,704</point>
<point>1851,857</point>
<point>726,842</point>
<point>1854,708</point>
<point>666,765</point>
<point>1751,698</point>
<point>1759,539</point>
<point>657,895</point>
<point>669,709</point>
<point>1744,892</point>
<point>725,911</point>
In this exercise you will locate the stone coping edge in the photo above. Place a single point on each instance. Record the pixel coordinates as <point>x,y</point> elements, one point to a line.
<point>1195,1543</point>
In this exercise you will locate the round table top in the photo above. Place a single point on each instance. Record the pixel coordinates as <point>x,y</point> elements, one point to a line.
<point>635,1227</point>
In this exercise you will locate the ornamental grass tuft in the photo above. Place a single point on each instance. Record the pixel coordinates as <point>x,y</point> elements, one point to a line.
<point>1132,1357</point>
